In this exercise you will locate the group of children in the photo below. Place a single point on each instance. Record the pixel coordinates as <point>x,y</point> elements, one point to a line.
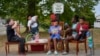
<point>77,31</point>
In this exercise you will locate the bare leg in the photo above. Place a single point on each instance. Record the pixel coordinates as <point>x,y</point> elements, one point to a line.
<point>37,37</point>
<point>64,44</point>
<point>55,43</point>
<point>49,44</point>
<point>67,42</point>
<point>70,38</point>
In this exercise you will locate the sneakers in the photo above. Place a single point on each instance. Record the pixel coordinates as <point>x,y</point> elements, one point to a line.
<point>64,53</point>
<point>55,52</point>
<point>49,52</point>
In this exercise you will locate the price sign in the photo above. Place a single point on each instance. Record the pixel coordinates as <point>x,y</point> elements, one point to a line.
<point>58,8</point>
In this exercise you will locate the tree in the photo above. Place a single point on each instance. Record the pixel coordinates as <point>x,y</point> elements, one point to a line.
<point>85,8</point>
<point>71,7</point>
<point>15,9</point>
<point>20,9</point>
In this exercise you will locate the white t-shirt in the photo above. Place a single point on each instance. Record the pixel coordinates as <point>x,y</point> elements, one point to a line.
<point>33,19</point>
<point>74,33</point>
<point>80,30</point>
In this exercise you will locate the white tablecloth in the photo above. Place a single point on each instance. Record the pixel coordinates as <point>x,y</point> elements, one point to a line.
<point>39,41</point>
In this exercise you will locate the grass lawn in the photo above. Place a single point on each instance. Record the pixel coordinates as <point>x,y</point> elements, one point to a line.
<point>96,34</point>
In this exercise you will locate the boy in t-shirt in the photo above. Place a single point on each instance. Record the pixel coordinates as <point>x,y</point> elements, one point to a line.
<point>33,26</point>
<point>54,32</point>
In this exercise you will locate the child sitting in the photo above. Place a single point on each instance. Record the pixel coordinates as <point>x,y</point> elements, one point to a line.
<point>82,29</point>
<point>54,32</point>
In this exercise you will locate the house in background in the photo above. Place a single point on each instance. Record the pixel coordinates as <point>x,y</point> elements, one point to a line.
<point>97,22</point>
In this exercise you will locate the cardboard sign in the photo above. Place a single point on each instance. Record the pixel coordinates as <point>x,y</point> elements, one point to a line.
<point>58,8</point>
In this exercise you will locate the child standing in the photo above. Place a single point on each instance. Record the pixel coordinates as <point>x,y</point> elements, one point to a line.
<point>33,26</point>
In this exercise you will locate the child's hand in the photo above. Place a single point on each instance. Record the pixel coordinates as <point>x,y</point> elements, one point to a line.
<point>60,28</point>
<point>15,23</point>
<point>54,32</point>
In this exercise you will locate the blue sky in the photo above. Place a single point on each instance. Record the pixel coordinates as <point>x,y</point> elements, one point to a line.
<point>97,9</point>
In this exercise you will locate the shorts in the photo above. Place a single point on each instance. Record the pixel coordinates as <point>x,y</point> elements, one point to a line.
<point>74,35</point>
<point>81,36</point>
<point>34,30</point>
<point>57,36</point>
